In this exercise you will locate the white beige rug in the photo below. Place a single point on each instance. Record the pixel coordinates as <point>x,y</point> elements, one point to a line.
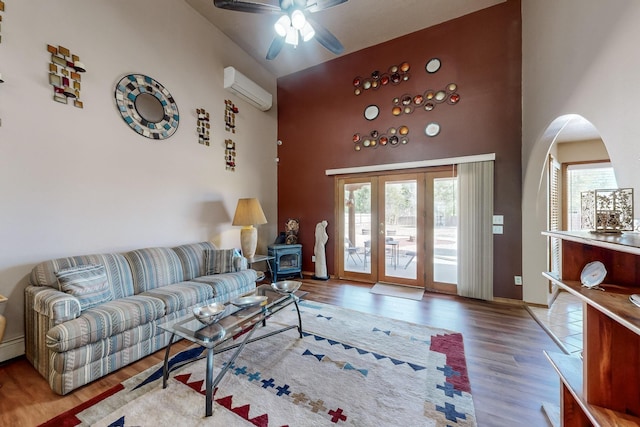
<point>350,369</point>
<point>398,291</point>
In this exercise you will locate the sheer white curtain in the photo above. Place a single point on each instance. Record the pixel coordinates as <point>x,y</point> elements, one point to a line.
<point>475,231</point>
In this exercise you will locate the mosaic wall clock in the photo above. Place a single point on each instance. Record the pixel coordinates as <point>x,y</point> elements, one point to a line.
<point>146,106</point>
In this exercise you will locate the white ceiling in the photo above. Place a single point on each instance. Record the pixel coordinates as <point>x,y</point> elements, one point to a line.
<point>357,24</point>
<point>578,129</point>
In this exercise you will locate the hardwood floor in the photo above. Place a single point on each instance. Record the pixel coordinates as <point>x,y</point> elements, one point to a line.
<point>510,377</point>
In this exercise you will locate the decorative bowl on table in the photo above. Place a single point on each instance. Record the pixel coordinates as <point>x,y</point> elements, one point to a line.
<point>249,301</point>
<point>286,286</point>
<point>209,314</point>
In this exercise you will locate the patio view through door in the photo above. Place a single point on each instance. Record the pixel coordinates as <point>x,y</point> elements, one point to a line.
<point>399,228</point>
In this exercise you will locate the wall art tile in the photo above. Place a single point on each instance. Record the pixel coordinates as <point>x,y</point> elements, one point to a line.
<point>203,127</point>
<point>230,155</point>
<point>230,111</point>
<point>64,75</point>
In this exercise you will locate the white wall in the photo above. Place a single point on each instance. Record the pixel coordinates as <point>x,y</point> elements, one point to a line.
<point>579,57</point>
<point>78,181</point>
<point>582,151</point>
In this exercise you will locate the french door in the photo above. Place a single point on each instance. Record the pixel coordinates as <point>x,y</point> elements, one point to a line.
<point>399,228</point>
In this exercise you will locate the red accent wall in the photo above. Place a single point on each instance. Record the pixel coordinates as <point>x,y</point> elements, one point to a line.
<point>318,114</point>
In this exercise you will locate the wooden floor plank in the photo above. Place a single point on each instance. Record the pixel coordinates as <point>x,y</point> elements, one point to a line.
<point>510,376</point>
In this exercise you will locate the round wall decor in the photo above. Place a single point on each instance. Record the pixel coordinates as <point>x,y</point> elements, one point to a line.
<point>146,106</point>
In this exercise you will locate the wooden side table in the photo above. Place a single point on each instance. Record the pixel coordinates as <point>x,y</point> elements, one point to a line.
<point>3,320</point>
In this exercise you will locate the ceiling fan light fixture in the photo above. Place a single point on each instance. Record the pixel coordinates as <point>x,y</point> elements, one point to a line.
<point>292,37</point>
<point>307,32</point>
<point>297,19</point>
<point>282,25</point>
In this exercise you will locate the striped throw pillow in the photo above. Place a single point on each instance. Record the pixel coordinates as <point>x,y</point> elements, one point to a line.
<point>219,261</point>
<point>88,283</point>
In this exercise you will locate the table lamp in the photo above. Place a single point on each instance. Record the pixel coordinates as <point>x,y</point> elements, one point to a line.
<point>249,213</point>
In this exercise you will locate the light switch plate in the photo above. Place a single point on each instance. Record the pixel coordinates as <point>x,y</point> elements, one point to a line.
<point>497,229</point>
<point>498,219</point>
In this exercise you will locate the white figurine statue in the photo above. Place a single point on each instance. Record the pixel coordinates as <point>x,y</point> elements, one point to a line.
<point>319,252</point>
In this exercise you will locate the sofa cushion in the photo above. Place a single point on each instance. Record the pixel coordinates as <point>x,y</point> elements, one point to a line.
<point>153,268</point>
<point>104,321</point>
<point>192,258</point>
<point>88,283</point>
<point>220,261</point>
<point>180,296</point>
<point>82,356</point>
<point>116,268</point>
<point>230,285</point>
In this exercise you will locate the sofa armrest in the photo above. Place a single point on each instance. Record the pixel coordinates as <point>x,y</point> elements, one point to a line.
<point>58,306</point>
<point>45,307</point>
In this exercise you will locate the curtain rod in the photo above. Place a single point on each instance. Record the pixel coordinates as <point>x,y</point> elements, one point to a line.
<point>412,165</point>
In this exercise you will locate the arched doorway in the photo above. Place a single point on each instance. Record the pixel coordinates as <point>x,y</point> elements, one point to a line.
<point>570,128</point>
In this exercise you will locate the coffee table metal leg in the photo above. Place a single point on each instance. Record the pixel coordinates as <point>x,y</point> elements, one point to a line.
<point>295,301</point>
<point>165,367</point>
<point>209,383</point>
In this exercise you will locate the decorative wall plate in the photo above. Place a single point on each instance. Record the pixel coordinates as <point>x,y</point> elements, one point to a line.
<point>440,96</point>
<point>146,106</point>
<point>432,129</point>
<point>433,65</point>
<point>371,112</point>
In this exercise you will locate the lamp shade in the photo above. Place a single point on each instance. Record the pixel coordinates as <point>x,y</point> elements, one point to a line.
<point>249,212</point>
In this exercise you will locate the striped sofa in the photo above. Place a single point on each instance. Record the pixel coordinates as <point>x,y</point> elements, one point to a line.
<point>87,316</point>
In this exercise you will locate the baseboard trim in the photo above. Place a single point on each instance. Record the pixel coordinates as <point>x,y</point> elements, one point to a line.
<point>10,349</point>
<point>508,301</point>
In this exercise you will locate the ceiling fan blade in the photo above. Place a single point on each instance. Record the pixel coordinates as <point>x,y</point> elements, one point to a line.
<point>318,5</point>
<point>275,48</point>
<point>325,38</point>
<point>296,4</point>
<point>246,6</point>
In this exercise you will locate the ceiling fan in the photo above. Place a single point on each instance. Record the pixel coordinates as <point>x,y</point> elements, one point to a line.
<point>294,24</point>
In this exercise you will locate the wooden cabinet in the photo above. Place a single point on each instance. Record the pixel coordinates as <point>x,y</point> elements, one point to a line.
<point>603,387</point>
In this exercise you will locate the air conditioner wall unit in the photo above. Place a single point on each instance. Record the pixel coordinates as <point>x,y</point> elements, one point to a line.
<point>239,84</point>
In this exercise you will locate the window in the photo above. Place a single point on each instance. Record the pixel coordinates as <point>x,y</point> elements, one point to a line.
<point>584,177</point>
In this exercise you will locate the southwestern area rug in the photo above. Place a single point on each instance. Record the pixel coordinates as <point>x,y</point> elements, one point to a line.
<point>351,369</point>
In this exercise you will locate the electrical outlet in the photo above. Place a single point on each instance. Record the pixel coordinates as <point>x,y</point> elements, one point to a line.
<point>517,280</point>
<point>313,258</point>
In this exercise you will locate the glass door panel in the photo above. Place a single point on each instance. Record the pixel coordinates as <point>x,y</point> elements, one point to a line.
<point>399,231</point>
<point>445,230</point>
<point>356,228</point>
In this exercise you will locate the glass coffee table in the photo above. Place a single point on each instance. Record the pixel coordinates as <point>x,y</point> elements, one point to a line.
<point>244,315</point>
